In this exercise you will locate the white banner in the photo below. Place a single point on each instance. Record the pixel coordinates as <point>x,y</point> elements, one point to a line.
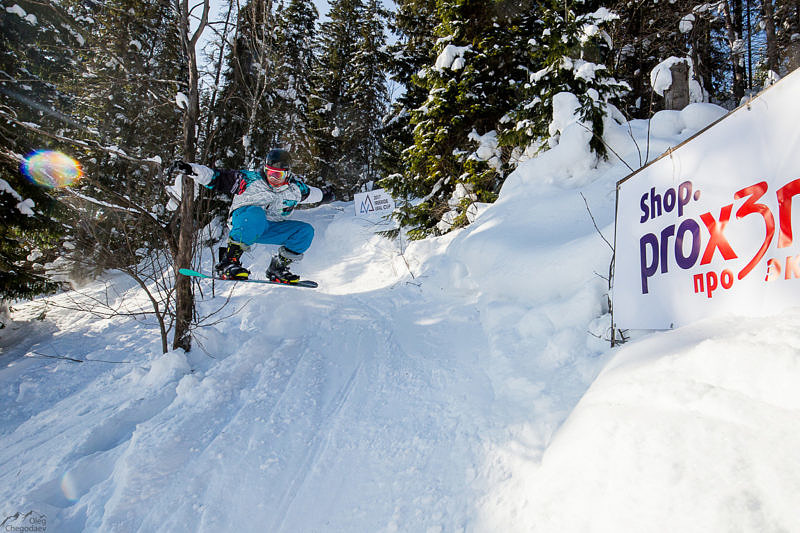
<point>374,204</point>
<point>707,228</point>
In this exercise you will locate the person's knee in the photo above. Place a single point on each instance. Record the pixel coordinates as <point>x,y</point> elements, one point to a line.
<point>309,232</point>
<point>247,224</point>
<point>301,238</point>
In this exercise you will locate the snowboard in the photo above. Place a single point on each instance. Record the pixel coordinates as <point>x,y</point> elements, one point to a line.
<point>306,283</point>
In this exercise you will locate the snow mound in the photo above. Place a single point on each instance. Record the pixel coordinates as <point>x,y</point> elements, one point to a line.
<point>694,430</point>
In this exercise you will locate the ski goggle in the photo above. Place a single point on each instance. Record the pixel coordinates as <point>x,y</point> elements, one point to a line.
<point>276,176</point>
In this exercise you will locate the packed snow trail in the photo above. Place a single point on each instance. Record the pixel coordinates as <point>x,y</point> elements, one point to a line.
<point>363,405</point>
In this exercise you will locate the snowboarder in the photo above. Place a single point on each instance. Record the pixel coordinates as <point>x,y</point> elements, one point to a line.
<point>262,203</point>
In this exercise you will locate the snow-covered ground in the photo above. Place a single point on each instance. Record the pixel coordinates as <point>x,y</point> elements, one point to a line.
<point>461,383</point>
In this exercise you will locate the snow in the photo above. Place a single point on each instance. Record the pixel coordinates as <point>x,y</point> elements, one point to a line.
<point>603,14</point>
<point>181,100</point>
<point>23,206</point>
<point>459,383</point>
<point>686,24</point>
<point>661,78</point>
<point>451,57</point>
<point>585,70</point>
<point>175,192</point>
<point>17,10</point>
<point>26,207</point>
<point>6,187</point>
<point>488,147</point>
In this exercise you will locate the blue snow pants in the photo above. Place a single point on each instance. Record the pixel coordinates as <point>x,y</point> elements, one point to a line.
<point>249,225</point>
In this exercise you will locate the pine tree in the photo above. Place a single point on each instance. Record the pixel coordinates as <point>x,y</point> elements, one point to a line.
<point>787,26</point>
<point>246,129</point>
<point>489,96</point>
<point>349,94</point>
<point>567,57</point>
<point>295,38</point>
<point>368,90</point>
<point>469,87</point>
<point>413,23</point>
<point>125,101</point>
<point>35,53</point>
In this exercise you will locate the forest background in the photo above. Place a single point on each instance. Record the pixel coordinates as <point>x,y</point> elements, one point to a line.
<point>435,100</point>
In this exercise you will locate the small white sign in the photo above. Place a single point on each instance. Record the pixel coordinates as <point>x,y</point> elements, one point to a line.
<point>374,204</point>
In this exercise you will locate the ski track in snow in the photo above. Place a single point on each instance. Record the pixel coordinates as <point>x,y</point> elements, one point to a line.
<point>278,412</point>
<point>373,403</point>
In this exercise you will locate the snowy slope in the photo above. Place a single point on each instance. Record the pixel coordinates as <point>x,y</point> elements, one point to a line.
<point>453,384</point>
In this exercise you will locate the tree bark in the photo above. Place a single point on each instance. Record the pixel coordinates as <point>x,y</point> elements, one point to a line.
<point>769,32</point>
<point>184,296</point>
<point>677,96</point>
<point>733,27</point>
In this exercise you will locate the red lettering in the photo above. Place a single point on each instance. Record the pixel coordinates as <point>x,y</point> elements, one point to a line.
<point>793,267</point>
<point>726,279</point>
<point>699,286</point>
<point>750,207</point>
<point>773,270</point>
<point>711,282</point>
<point>717,239</point>
<point>785,195</point>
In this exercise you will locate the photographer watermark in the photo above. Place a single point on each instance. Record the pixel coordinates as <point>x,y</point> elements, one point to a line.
<point>29,522</point>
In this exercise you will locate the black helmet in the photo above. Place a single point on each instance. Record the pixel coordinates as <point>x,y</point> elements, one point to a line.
<point>277,158</point>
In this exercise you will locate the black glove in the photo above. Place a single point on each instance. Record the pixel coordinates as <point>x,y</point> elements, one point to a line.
<point>184,167</point>
<point>327,195</point>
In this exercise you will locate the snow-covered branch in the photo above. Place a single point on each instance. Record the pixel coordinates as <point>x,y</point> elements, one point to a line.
<point>112,150</point>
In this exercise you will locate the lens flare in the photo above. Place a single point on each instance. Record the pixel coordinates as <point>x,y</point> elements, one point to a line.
<point>69,487</point>
<point>51,169</point>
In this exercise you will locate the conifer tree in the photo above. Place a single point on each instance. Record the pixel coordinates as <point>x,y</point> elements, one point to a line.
<point>245,110</point>
<point>787,28</point>
<point>469,87</point>
<point>368,90</point>
<point>349,95</point>
<point>567,56</point>
<point>125,100</point>
<point>36,43</point>
<point>414,49</point>
<point>295,38</point>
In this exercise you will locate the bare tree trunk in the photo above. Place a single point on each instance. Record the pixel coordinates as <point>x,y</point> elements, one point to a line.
<point>793,52</point>
<point>701,52</point>
<point>159,312</point>
<point>5,312</point>
<point>769,31</point>
<point>733,27</point>
<point>184,297</point>
<point>797,14</point>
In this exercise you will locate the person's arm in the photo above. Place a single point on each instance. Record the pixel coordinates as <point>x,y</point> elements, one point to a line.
<point>221,180</point>
<point>308,194</point>
<point>229,181</point>
<point>314,196</point>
